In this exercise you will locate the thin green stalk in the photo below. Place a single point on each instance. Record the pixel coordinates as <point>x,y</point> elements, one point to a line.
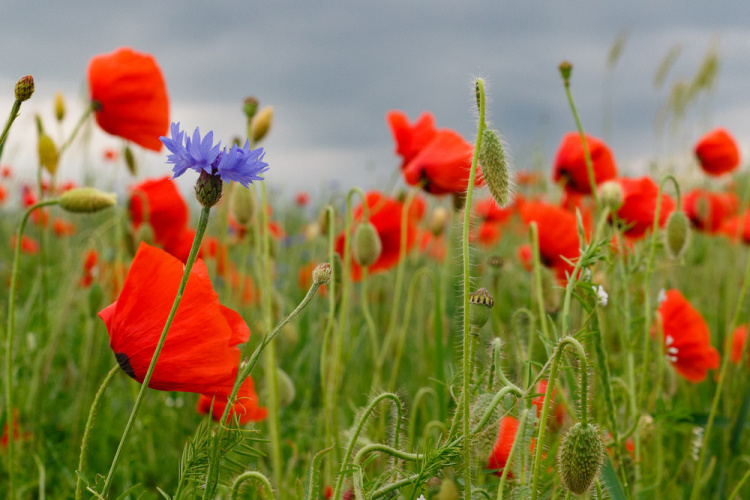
<point>534,236</point>
<point>202,224</point>
<point>417,404</point>
<point>697,484</point>
<point>324,364</point>
<point>467,361</point>
<point>372,330</point>
<point>519,433</point>
<point>11,325</point>
<point>736,491</point>
<point>548,397</point>
<point>252,476</point>
<point>86,113</point>
<point>89,426</point>
<point>11,118</point>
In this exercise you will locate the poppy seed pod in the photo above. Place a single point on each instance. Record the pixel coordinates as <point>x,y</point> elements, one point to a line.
<point>59,106</point>
<point>580,457</point>
<point>86,200</point>
<point>495,167</point>
<point>24,88</point>
<point>480,304</point>
<point>677,235</point>
<point>48,155</point>
<point>261,123</point>
<point>242,204</point>
<point>367,246</point>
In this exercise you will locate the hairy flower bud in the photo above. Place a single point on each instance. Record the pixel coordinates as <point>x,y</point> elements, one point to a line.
<point>208,189</point>
<point>286,388</point>
<point>48,155</point>
<point>250,107</point>
<point>484,441</point>
<point>437,221</point>
<point>367,246</point>
<point>611,196</point>
<point>24,88</point>
<point>86,200</point>
<point>480,305</point>
<point>566,68</point>
<point>242,204</point>
<point>580,458</point>
<point>261,123</point>
<point>495,167</point>
<point>59,106</point>
<point>448,490</point>
<point>677,235</point>
<point>322,274</point>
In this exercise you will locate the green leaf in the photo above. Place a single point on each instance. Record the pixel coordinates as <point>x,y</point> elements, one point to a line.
<point>612,482</point>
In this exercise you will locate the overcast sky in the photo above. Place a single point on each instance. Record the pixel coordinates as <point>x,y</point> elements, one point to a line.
<point>332,70</point>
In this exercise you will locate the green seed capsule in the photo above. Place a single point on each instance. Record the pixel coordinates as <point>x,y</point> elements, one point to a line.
<point>580,458</point>
<point>367,246</point>
<point>677,235</point>
<point>495,167</point>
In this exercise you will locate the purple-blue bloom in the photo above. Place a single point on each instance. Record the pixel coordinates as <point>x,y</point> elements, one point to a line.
<point>243,165</point>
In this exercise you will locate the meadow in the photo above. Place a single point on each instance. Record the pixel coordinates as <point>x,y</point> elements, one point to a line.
<point>473,330</point>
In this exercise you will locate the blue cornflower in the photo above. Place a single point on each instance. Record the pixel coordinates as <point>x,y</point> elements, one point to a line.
<point>243,165</point>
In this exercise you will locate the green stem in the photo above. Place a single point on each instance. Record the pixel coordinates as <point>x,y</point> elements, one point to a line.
<point>11,326</point>
<point>89,426</point>
<point>586,152</point>
<point>697,484</point>
<point>534,236</point>
<point>11,118</point>
<point>86,113</point>
<point>324,364</point>
<point>548,397</point>
<point>736,491</point>
<point>252,476</point>
<point>467,361</point>
<point>418,398</point>
<point>202,224</point>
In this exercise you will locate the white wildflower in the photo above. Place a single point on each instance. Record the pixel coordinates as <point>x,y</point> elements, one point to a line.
<point>602,296</point>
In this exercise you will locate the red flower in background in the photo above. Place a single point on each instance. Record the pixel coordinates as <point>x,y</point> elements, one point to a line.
<point>111,154</point>
<point>570,163</point>
<point>739,344</point>
<point>6,172</point>
<point>130,96</point>
<point>707,211</point>
<point>526,256</point>
<point>737,227</point>
<point>159,202</point>
<point>191,360</point>
<point>385,215</point>
<point>686,338</point>
<point>3,194</point>
<point>493,218</point>
<point>245,407</point>
<point>717,152</point>
<point>538,401</point>
<point>558,235</point>
<point>61,227</point>
<point>28,244</point>
<point>302,199</point>
<point>440,159</point>
<point>90,270</point>
<point>506,435</point>
<point>639,205</point>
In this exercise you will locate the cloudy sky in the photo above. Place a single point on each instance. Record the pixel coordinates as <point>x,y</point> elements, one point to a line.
<point>332,70</point>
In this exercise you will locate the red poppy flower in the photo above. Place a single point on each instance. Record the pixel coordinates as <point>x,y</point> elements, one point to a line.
<point>212,248</point>
<point>538,401</point>
<point>28,244</point>
<point>159,202</point>
<point>17,434</point>
<point>717,152</point>
<point>558,235</point>
<point>493,218</point>
<point>28,198</point>
<point>526,257</point>
<point>708,210</point>
<point>737,227</point>
<point>89,268</point>
<point>639,205</point>
<point>739,344</point>
<point>302,199</point>
<point>62,227</point>
<point>6,172</point>
<point>130,96</point>
<point>385,215</point>
<point>245,407</point>
<point>526,178</point>
<point>3,194</point>
<point>65,186</point>
<point>179,246</point>
<point>570,163</point>
<point>686,338</point>
<point>431,245</point>
<point>190,361</point>
<point>506,435</point>
<point>440,159</point>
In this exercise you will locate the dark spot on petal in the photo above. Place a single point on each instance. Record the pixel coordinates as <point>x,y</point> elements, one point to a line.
<point>124,362</point>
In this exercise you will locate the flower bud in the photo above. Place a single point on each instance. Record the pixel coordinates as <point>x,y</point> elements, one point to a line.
<point>495,167</point>
<point>610,195</point>
<point>367,246</point>
<point>48,155</point>
<point>566,68</point>
<point>59,106</point>
<point>250,107</point>
<point>677,235</point>
<point>438,219</point>
<point>208,189</point>
<point>448,490</point>
<point>261,123</point>
<point>286,388</point>
<point>484,441</point>
<point>580,458</point>
<point>130,161</point>
<point>495,262</point>
<point>322,274</point>
<point>459,201</point>
<point>480,305</point>
<point>24,88</point>
<point>86,200</point>
<point>311,231</point>
<point>242,204</point>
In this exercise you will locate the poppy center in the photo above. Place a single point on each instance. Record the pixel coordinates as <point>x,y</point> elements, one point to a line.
<point>124,362</point>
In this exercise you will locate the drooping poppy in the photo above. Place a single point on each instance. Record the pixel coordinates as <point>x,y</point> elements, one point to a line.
<point>639,205</point>
<point>717,152</point>
<point>686,338</point>
<point>708,210</point>
<point>558,235</point>
<point>739,344</point>
<point>90,269</point>
<point>570,163</point>
<point>159,202</point>
<point>438,160</point>
<point>191,360</point>
<point>245,406</point>
<point>385,215</point>
<point>130,96</point>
